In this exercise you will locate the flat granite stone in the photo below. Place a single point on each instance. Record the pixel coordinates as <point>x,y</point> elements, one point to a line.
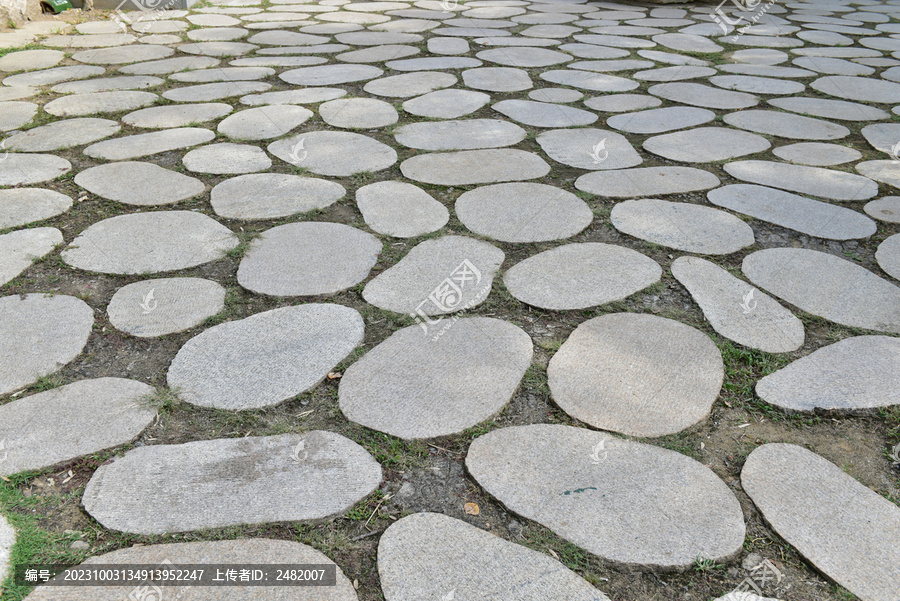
<point>602,493</point>
<point>884,209</point>
<point>888,256</point>
<point>646,181</point>
<point>229,482</point>
<point>474,167</point>
<point>121,55</point>
<point>24,169</point>
<point>408,85</point>
<point>266,358</point>
<point>108,84</point>
<point>497,79</point>
<point>21,206</point>
<point>827,286</point>
<point>206,92</point>
<point>14,115</point>
<point>217,34</point>
<point>425,555</point>
<point>438,276</point>
<point>421,384</point>
<point>358,113</point>
<point>377,54</point>
<point>578,276</point>
<point>17,92</point>
<point>400,209</point>
<point>704,96</point>
<point>78,419</point>
<point>227,158</point>
<point>880,171</point>
<point>467,134</point>
<point>757,85</point>
<point>142,184</point>
<point>177,115</point>
<point>785,125</point>
<point>799,493</point>
<point>328,75</point>
<point>335,153</point>
<point>218,49</point>
<point>149,243</point>
<point>705,144</point>
<point>832,66</point>
<point>62,134</point>
<point>660,120</point>
<point>301,96</point>
<point>815,181</point>
<point>77,105</point>
<point>811,217</point>
<point>620,103</point>
<point>20,248</point>
<point>48,77</point>
<point>524,56</point>
<point>676,73</point>
<point>817,154</point>
<point>447,104</point>
<point>860,89</point>
<point>38,335</point>
<point>30,60</point>
<point>882,136</point>
<point>263,122</point>
<point>594,52</point>
<point>308,259</point>
<point>560,95</point>
<point>544,114</point>
<point>223,74</point>
<point>587,80</point>
<point>164,306</point>
<point>7,541</point>
<point>736,310</point>
<point>588,148</point>
<point>141,145</point>
<point>272,195</point>
<point>840,110</point>
<point>169,65</point>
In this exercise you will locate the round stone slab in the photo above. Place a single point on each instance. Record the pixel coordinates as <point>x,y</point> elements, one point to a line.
<point>524,57</point>
<point>589,148</point>
<point>884,209</point>
<point>358,113</point>
<point>164,306</point>
<point>221,552</point>
<point>400,209</point>
<point>78,419</point>
<point>142,184</point>
<point>706,144</point>
<point>227,158</point>
<point>21,206</point>
<point>336,153</point>
<point>149,243</point>
<point>578,276</point>
<point>272,195</point>
<point>497,79</point>
<point>266,358</point>
<point>436,277</point>
<point>602,493</point>
<point>861,89</point>
<point>467,134</point>
<point>646,181</point>
<point>14,115</point>
<point>785,125</point>
<point>38,335</point>
<point>815,181</point>
<point>827,286</point>
<point>228,482</point>
<point>20,248</point>
<point>474,167</point>
<point>688,227</point>
<point>738,311</point>
<point>888,256</point>
<point>409,84</point>
<point>425,555</point>
<point>424,382</point>
<point>523,212</point>
<point>799,493</point>
<point>263,122</point>
<point>28,60</point>
<point>24,169</point>
<point>308,259</point>
<point>62,134</point>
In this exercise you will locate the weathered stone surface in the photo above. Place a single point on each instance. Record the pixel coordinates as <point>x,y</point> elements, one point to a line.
<point>358,113</point>
<point>884,209</point>
<point>815,181</point>
<point>464,134</point>
<point>446,104</point>
<point>696,94</point>
<point>328,75</point>
<point>817,154</point>
<point>223,74</point>
<point>799,493</point>
<point>646,181</point>
<point>880,171</point>
<point>206,92</point>
<point>48,77</point>
<point>227,158</point>
<point>409,84</point>
<point>888,256</point>
<point>830,109</point>
<point>474,167</point>
<point>423,382</point>
<point>169,65</point>
<point>675,506</point>
<point>62,134</point>
<point>177,115</point>
<point>24,169</point>
<point>589,148</point>
<point>524,56</point>
<point>77,105</point>
<point>227,482</point>
<point>21,206</point>
<point>164,306</point>
<point>586,80</point>
<point>264,122</point>
<point>377,54</point>
<point>559,95</point>
<point>30,60</point>
<point>300,96</point>
<point>705,144</point>
<point>336,153</point>
<point>77,419</point>
<point>860,89</point>
<point>20,248</point>
<point>272,195</point>
<point>660,120</point>
<point>619,103</point>
<point>120,55</point>
<point>757,85</point>
<point>14,115</point>
<point>220,49</point>
<point>544,114</point>
<point>141,145</point>
<point>785,125</point>
<point>7,540</point>
<point>400,209</point>
<point>497,79</point>
<point>142,184</point>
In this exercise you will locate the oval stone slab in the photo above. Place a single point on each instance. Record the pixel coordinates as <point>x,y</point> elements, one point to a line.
<point>62,134</point>
<point>827,286</point>
<point>24,169</point>
<point>337,153</point>
<point>646,181</point>
<point>271,195</point>
<point>799,493</point>
<point>142,184</point>
<point>228,482</point>
<point>266,358</point>
<point>676,507</point>
<point>467,134</point>
<point>400,209</point>
<point>884,209</point>
<point>20,248</point>
<point>263,122</point>
<point>150,243</point>
<point>888,256</point>
<point>7,541</point>
<point>141,145</point>
<point>589,148</point>
<point>20,206</point>
<point>308,259</point>
<point>689,227</point>
<point>164,306</point>
<point>638,374</point>
<point>474,167</point>
<point>77,419</point>
<point>786,125</point>
<point>424,555</point>
<point>577,276</point>
<point>99,102</point>
<point>815,181</point>
<point>424,382</point>
<point>736,310</point>
<point>38,335</point>
<point>706,144</point>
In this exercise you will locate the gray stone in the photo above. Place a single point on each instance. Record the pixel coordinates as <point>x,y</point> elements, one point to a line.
<point>408,85</point>
<point>121,55</point>
<point>815,181</point>
<point>497,79</point>
<point>587,80</point>
<point>888,256</point>
<point>660,120</point>
<point>885,209</point>
<point>38,335</point>
<point>141,184</point>
<point>327,75</point>
<point>832,66</point>
<point>24,169</point>
<point>20,248</point>
<point>140,145</point>
<point>616,41</point>
<point>880,171</point>
<point>62,134</point>
<point>108,84</point>
<point>400,209</point>
<point>358,113</point>
<point>179,115</point>
<point>524,56</point>
<point>21,206</point>
<point>474,167</point>
<point>817,154</point>
<point>602,493</point>
<point>420,382</point>
<point>7,541</point>
<point>437,277</point>
<point>588,148</point>
<point>48,77</point>
<point>696,94</point>
<point>798,493</point>
<point>149,243</point>
<point>272,195</point>
<point>646,181</point>
<point>766,71</point>
<point>677,73</point>
<point>278,61</point>
<point>213,20</point>
<point>206,92</point>
<point>30,60</point>
<point>860,89</point>
<point>301,96</point>
<point>219,49</point>
<point>263,123</point>
<point>459,135</point>
<point>168,65</point>
<point>578,276</point>
<point>705,144</point>
<point>560,95</point>
<point>592,51</point>
<point>544,114</point>
<point>757,85</point>
<point>334,153</point>
<point>736,310</point>
<point>77,105</point>
<point>827,286</point>
<point>223,74</point>
<point>830,109</point>
<point>217,34</point>
<point>882,136</point>
<point>785,125</point>
<point>447,104</point>
<point>85,417</point>
<point>377,54</point>
<point>17,92</point>
<point>164,306</point>
<point>443,46</point>
<point>308,259</point>
<point>434,63</point>
<point>227,158</point>
<point>760,56</point>
<point>287,38</point>
<point>14,115</point>
<point>620,103</point>
<point>266,358</point>
<point>377,38</point>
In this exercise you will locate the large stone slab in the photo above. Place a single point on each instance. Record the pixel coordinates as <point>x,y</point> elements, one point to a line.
<point>21,206</point>
<point>589,148</point>
<point>422,382</point>
<point>705,144</point>
<point>358,113</point>
<point>497,79</point>
<point>336,153</point>
<point>38,335</point>
<point>141,145</point>
<point>860,89</point>
<point>24,169</point>
<point>400,209</point>
<point>77,105</point>
<point>142,184</point>
<point>657,121</point>
<point>49,77</point>
<point>272,195</point>
<point>696,94</point>
<point>227,158</point>
<point>827,286</point>
<point>164,306</point>
<point>77,419</point>
<point>20,248</point>
<point>840,110</point>
<point>168,65</point>
<point>799,493</point>
<point>408,85</point>
<point>544,114</point>
<point>431,556</point>
<point>785,125</point>
<point>815,181</point>
<point>177,115</point>
<point>817,154</point>
<point>474,167</point>
<point>207,92</point>
<point>604,493</point>
<point>888,256</point>
<point>264,122</point>
<point>446,104</point>
<point>30,60</point>
<point>62,134</point>
<point>524,56</point>
<point>646,181</point>
<point>228,482</point>
<point>7,540</point>
<point>120,55</point>
<point>328,75</point>
<point>596,82</point>
<point>14,115</point>
<point>884,209</point>
<point>466,134</point>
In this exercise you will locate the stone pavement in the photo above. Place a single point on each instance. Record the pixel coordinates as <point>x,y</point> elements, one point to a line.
<point>250,194</point>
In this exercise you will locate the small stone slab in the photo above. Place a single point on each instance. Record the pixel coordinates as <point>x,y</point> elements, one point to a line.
<point>24,169</point>
<point>335,153</point>
<point>141,184</point>
<point>560,95</point>
<point>437,277</point>
<point>588,148</point>
<point>817,154</point>
<point>888,256</point>
<point>811,217</point>
<point>308,259</point>
<point>169,65</point>
<point>7,541</point>
<point>219,49</point>
<point>474,167</point>
<point>447,104</point>
<point>227,158</point>
<point>77,105</point>
<point>358,113</point>
<point>21,206</point>
<point>497,79</point>
<point>108,84</point>
<point>164,306</point>
<point>229,482</point>
<point>880,171</point>
<point>420,384</point>
<point>149,243</point>
<point>815,181</point>
<point>62,134</point>
<point>177,115</point>
<point>19,249</point>
<point>302,96</point>
<point>223,74</point>
<point>827,286</point>
<point>736,310</point>
<point>272,195</point>
<point>840,110</point>
<point>620,103</point>
<point>587,80</point>
<point>30,60</point>
<point>264,122</point>
<point>578,276</point>
<point>860,89</point>
<point>266,358</point>
<point>757,85</point>
<point>400,209</point>
<point>602,493</point>
<point>38,335</point>
<point>377,54</point>
<point>78,419</point>
<point>696,94</point>
<point>521,56</point>
<point>16,92</point>
<point>705,144</point>
<point>329,75</point>
<point>799,493</point>
<point>408,85</point>
<point>140,145</point>
<point>207,92</point>
<point>544,114</point>
<point>661,120</point>
<point>884,209</point>
<point>14,115</point>
<point>49,77</point>
<point>646,181</point>
<point>785,125</point>
<point>458,135</point>
<point>121,55</point>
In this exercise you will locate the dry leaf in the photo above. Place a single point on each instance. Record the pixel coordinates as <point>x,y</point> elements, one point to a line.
<point>553,553</point>
<point>334,375</point>
<point>472,508</point>
<point>356,584</point>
